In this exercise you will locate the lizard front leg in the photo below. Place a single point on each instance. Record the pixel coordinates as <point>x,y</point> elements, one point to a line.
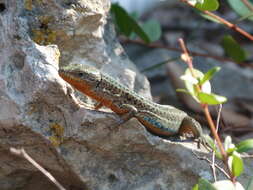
<point>113,101</point>
<point>130,113</point>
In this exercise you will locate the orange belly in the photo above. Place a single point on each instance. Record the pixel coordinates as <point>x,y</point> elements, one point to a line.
<point>87,89</point>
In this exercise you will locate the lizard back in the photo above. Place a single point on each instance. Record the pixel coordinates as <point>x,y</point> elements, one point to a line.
<point>163,120</point>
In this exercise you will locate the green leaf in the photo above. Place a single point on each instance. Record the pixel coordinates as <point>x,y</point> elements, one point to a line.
<point>205,96</point>
<point>152,29</point>
<point>247,16</point>
<point>235,164</point>
<point>211,143</point>
<point>206,16</point>
<point>250,184</point>
<point>127,24</point>
<point>208,5</point>
<point>123,20</point>
<point>211,99</point>
<point>245,146</point>
<point>190,82</point>
<point>218,154</point>
<point>139,31</point>
<point>135,15</point>
<point>209,74</point>
<point>195,187</point>
<point>240,8</point>
<point>233,49</point>
<point>182,90</point>
<point>205,185</point>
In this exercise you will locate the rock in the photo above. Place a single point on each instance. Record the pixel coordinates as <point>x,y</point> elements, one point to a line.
<point>40,112</point>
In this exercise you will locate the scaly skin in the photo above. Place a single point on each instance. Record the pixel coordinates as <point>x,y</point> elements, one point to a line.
<point>161,120</point>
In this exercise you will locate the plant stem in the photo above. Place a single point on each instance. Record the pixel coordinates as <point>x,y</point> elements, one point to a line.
<point>224,154</point>
<point>223,21</point>
<point>248,5</point>
<point>193,53</point>
<point>212,127</point>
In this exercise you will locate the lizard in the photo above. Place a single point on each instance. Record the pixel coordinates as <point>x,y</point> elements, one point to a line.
<point>160,120</point>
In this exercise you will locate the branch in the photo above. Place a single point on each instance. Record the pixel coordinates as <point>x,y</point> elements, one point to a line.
<point>188,60</point>
<point>248,4</point>
<point>193,53</point>
<point>223,21</point>
<point>210,162</point>
<point>21,152</point>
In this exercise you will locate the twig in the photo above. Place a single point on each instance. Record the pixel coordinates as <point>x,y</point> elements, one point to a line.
<point>193,53</point>
<point>247,156</point>
<point>217,138</point>
<point>248,4</point>
<point>218,117</point>
<point>210,162</point>
<point>21,152</point>
<point>213,165</point>
<point>223,21</point>
<point>188,60</point>
<point>213,152</point>
<point>158,45</point>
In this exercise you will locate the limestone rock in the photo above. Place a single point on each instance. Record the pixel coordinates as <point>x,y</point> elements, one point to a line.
<point>40,112</point>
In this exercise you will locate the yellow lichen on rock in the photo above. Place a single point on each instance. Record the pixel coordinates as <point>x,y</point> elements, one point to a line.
<point>45,19</point>
<point>57,134</point>
<point>55,141</point>
<point>44,35</point>
<point>28,5</point>
<point>57,129</point>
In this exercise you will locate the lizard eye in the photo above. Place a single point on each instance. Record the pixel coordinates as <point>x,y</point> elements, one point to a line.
<point>80,74</point>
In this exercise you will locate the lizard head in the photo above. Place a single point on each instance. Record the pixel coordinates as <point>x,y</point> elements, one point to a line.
<point>79,74</point>
<point>190,127</point>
